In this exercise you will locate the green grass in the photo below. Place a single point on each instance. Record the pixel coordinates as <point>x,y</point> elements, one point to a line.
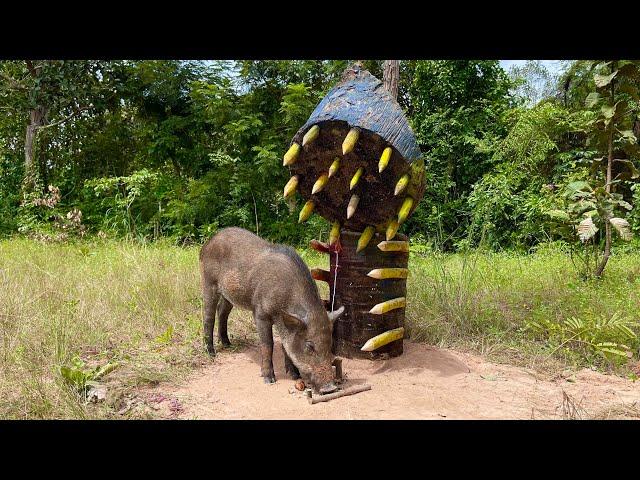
<point>518,308</point>
<point>138,306</point>
<point>135,305</point>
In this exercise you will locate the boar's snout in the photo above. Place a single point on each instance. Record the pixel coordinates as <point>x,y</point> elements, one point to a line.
<point>328,388</point>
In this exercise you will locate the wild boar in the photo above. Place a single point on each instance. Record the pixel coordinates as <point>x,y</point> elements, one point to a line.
<point>241,269</point>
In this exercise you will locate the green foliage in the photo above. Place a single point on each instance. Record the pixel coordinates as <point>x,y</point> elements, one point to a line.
<point>634,215</point>
<point>79,376</point>
<point>150,149</point>
<point>592,204</point>
<point>610,337</point>
<point>508,205</point>
<point>457,110</point>
<point>10,179</point>
<point>585,211</point>
<point>533,82</point>
<point>126,204</point>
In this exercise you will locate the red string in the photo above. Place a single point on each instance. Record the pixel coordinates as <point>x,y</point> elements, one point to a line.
<point>335,248</point>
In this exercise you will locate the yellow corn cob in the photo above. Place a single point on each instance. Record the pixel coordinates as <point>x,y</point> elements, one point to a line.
<point>334,235</point>
<point>384,159</point>
<point>306,211</point>
<point>384,273</point>
<point>403,213</point>
<point>402,184</point>
<point>292,154</point>
<point>383,339</point>
<point>365,238</point>
<point>291,186</point>
<point>356,178</point>
<point>350,140</point>
<point>392,229</point>
<point>353,204</point>
<point>394,246</point>
<point>320,183</point>
<point>334,167</point>
<point>389,305</point>
<point>311,135</point>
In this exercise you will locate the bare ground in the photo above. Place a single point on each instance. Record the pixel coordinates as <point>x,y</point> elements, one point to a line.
<point>424,383</point>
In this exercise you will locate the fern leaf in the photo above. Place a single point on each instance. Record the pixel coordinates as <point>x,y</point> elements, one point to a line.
<point>626,331</point>
<point>615,349</point>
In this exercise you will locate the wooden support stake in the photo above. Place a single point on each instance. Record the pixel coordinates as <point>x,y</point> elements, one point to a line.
<point>320,246</point>
<point>337,362</point>
<point>341,393</point>
<point>320,274</point>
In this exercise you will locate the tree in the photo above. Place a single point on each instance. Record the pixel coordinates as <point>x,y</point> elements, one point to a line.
<point>594,204</point>
<point>534,82</point>
<point>617,95</point>
<point>49,94</point>
<point>391,76</point>
<point>457,110</point>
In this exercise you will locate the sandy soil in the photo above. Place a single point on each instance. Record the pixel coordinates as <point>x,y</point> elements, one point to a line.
<point>424,383</point>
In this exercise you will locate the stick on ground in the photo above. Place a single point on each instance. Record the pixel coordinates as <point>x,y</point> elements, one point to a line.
<point>342,393</point>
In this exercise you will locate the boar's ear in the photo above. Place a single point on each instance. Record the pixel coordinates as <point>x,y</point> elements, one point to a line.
<point>294,319</point>
<point>333,316</point>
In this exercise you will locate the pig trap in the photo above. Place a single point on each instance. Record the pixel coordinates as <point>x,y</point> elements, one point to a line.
<point>357,163</point>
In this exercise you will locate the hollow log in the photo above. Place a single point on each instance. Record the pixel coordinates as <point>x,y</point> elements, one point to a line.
<point>359,293</point>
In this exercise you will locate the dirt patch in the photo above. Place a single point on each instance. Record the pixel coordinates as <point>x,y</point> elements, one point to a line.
<point>424,383</point>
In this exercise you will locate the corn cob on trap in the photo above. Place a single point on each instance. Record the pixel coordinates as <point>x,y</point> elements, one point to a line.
<point>291,186</point>
<point>320,183</point>
<point>383,339</point>
<point>356,163</point>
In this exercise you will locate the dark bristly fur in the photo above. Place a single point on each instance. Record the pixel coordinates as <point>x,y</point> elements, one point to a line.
<point>302,267</point>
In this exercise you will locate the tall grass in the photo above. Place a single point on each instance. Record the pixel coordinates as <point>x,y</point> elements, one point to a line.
<point>139,306</point>
<point>101,302</point>
<point>517,306</point>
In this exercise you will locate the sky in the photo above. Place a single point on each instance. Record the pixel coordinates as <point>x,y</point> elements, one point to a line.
<point>554,66</point>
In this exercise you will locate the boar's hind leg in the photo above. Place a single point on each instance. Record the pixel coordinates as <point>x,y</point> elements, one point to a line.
<point>224,307</point>
<point>289,367</point>
<point>209,319</point>
<point>265,332</point>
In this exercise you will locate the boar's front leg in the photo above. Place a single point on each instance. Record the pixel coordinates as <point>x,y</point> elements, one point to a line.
<point>289,367</point>
<point>265,332</point>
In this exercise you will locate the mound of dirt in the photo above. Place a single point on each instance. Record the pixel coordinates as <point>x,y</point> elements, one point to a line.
<point>424,383</point>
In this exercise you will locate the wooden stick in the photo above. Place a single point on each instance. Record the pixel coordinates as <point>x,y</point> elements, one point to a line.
<point>337,363</point>
<point>320,246</point>
<point>332,396</point>
<point>320,274</point>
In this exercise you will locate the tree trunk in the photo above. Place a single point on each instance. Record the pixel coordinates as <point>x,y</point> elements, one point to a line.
<point>607,225</point>
<point>607,241</point>
<point>391,75</point>
<point>36,120</point>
